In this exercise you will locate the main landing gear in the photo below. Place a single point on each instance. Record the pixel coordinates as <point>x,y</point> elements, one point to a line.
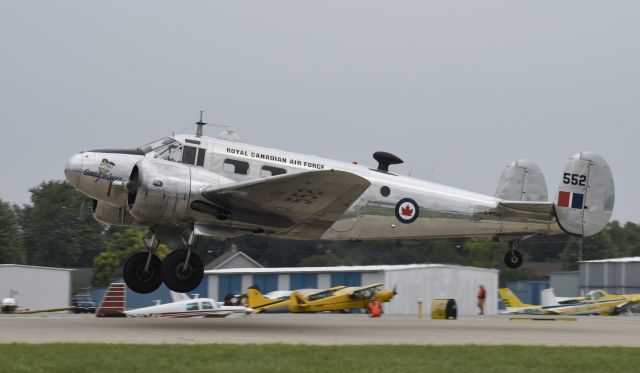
<point>182,270</point>
<point>513,258</point>
<point>142,270</point>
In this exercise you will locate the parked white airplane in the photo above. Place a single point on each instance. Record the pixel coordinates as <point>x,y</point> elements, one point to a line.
<point>188,186</point>
<point>114,301</point>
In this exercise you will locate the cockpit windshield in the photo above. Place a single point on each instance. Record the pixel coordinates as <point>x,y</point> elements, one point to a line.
<point>595,295</point>
<point>166,148</point>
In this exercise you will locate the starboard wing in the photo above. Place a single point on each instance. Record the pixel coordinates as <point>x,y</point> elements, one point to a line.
<point>302,205</point>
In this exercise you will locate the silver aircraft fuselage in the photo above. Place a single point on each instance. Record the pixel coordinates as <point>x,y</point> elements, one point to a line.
<point>433,210</point>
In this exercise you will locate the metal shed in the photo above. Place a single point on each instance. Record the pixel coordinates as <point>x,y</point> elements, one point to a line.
<point>414,281</point>
<point>35,287</point>
<point>618,275</point>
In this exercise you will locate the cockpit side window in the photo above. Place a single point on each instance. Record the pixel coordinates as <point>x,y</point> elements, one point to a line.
<point>200,160</point>
<point>206,305</point>
<point>189,155</point>
<point>192,306</point>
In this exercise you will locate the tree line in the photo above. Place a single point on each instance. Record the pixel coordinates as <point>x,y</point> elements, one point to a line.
<point>57,229</point>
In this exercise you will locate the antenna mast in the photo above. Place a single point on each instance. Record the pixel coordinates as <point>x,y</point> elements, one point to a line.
<point>200,124</point>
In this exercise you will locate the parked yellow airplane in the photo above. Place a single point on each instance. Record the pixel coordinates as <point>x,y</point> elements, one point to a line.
<point>344,299</point>
<point>596,302</point>
<point>278,301</point>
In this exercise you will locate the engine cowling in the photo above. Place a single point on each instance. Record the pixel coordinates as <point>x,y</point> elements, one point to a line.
<point>158,191</point>
<point>111,215</point>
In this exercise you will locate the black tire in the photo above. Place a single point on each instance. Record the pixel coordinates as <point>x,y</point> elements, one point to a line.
<point>513,259</point>
<point>178,280</point>
<point>135,276</point>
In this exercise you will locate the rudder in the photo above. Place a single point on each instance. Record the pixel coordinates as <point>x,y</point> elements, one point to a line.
<point>255,299</point>
<point>114,301</point>
<point>586,195</point>
<point>522,180</point>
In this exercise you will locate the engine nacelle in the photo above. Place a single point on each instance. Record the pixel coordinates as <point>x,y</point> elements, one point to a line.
<point>111,215</point>
<point>160,192</point>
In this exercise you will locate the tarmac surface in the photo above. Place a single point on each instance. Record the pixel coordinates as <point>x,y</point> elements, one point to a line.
<point>323,329</point>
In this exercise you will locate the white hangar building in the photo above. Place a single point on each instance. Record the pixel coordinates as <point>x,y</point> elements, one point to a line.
<point>617,275</point>
<point>35,287</point>
<point>413,281</point>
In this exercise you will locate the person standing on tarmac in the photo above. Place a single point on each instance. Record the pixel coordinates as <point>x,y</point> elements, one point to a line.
<point>482,295</point>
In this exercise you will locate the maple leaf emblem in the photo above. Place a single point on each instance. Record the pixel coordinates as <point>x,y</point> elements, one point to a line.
<point>406,210</point>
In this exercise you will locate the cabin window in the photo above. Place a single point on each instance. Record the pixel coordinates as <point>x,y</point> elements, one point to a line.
<point>192,306</point>
<point>207,306</point>
<point>267,171</point>
<point>234,166</point>
<point>200,160</point>
<point>189,155</point>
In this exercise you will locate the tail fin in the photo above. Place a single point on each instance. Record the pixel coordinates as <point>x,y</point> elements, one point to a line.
<point>113,302</point>
<point>510,299</point>
<point>548,297</point>
<point>522,180</point>
<point>176,297</point>
<point>586,195</point>
<point>255,299</point>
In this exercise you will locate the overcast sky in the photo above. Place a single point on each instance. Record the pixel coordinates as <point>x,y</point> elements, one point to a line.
<point>455,88</point>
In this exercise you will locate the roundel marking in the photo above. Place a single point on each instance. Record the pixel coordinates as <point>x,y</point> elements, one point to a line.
<point>407,210</point>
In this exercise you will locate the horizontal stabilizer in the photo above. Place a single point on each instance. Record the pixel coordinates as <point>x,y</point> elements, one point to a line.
<point>532,207</point>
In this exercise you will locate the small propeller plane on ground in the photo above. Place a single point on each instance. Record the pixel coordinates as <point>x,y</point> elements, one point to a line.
<point>596,302</point>
<point>347,298</point>
<point>114,302</point>
<point>338,298</point>
<point>189,186</point>
<point>279,300</point>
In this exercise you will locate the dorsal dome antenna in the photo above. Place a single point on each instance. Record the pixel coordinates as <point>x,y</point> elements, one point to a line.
<point>384,160</point>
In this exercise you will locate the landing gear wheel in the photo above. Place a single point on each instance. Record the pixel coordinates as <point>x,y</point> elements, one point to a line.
<point>181,278</point>
<point>513,259</point>
<point>139,280</point>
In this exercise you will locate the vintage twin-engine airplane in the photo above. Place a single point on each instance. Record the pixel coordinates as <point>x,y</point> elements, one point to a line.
<point>114,304</point>
<point>190,186</point>
<point>596,302</point>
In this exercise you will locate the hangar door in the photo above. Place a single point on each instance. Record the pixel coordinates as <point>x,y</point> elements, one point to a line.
<point>266,283</point>
<point>229,284</point>
<point>346,279</point>
<point>303,281</point>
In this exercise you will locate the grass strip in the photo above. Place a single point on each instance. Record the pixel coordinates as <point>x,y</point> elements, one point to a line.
<point>298,358</point>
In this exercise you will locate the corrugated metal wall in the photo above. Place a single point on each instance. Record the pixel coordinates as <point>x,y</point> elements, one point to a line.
<point>37,287</point>
<point>612,277</point>
<point>457,283</point>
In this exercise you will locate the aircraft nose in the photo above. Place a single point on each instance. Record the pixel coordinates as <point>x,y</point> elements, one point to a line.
<point>73,169</point>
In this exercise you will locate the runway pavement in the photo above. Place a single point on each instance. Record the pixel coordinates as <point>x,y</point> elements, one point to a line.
<point>322,329</point>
